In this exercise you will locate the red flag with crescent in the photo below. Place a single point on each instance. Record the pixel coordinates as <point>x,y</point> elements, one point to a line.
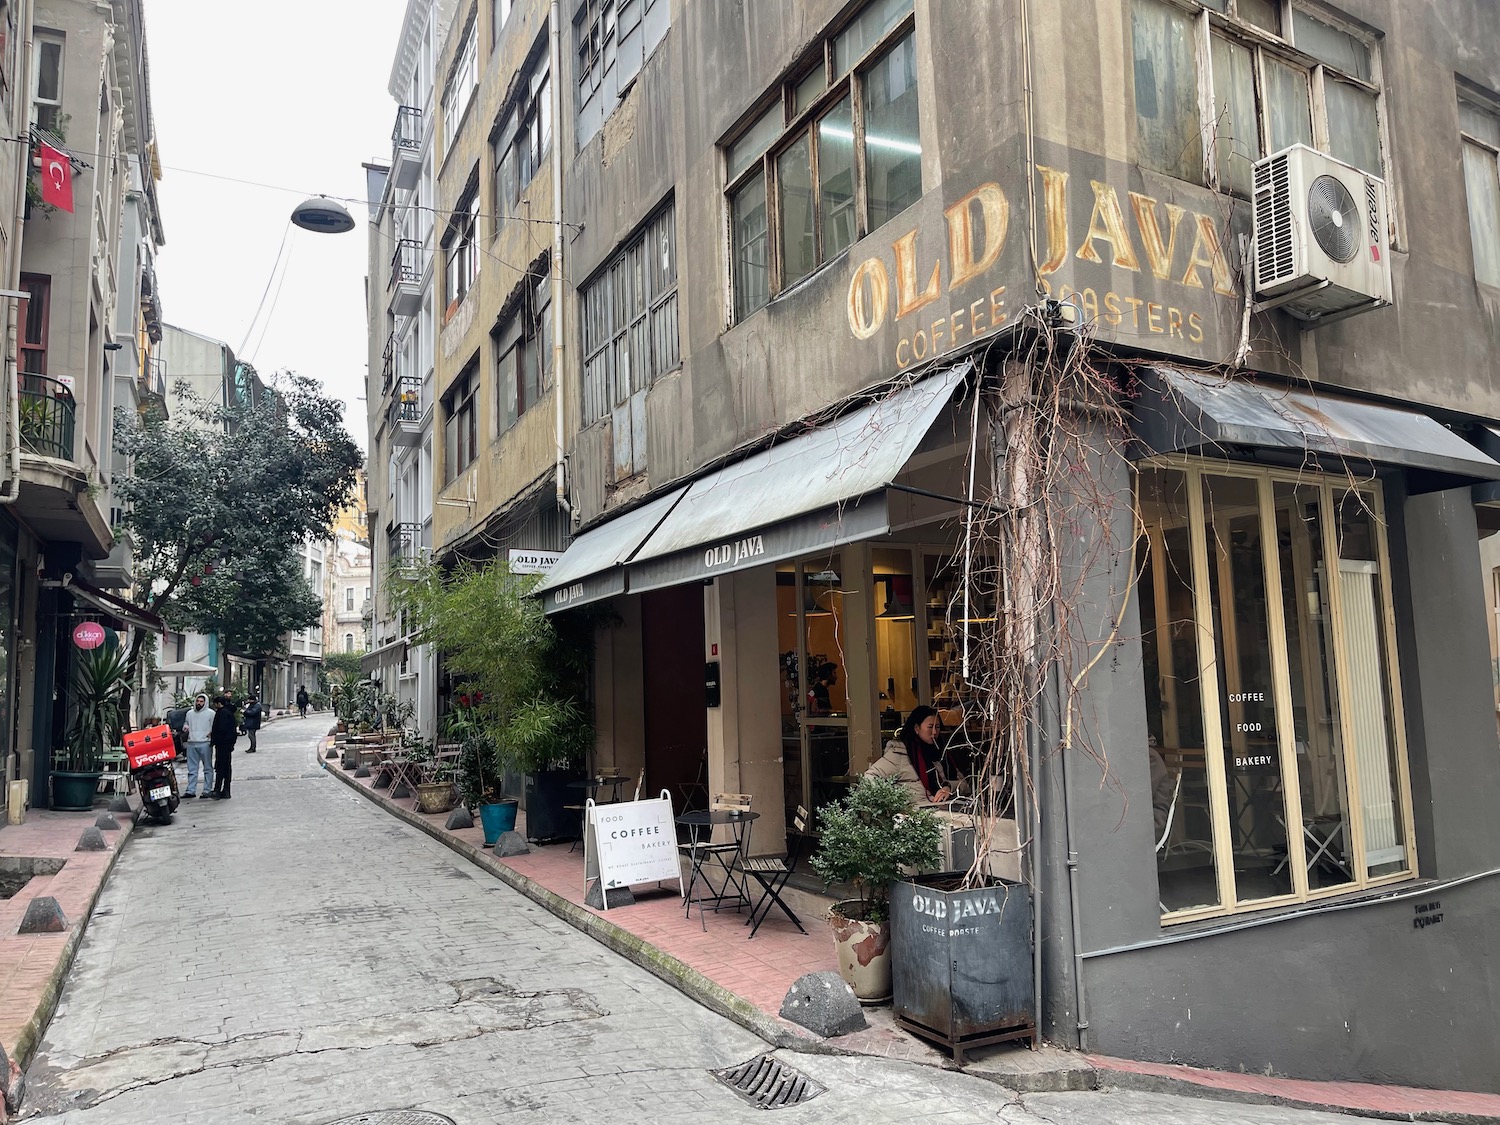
<point>57,178</point>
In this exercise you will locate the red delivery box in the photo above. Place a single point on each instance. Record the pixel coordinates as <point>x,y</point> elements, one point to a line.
<point>149,746</point>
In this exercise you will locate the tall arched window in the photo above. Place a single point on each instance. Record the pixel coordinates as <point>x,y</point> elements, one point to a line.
<point>348,642</point>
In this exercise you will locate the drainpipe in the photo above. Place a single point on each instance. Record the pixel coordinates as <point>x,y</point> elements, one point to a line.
<point>12,402</point>
<point>1080,994</point>
<point>554,66</point>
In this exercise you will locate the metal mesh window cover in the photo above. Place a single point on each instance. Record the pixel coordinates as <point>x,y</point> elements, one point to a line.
<point>767,1084</point>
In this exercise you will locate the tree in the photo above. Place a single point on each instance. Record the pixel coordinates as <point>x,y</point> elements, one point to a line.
<point>229,488</point>
<point>342,667</point>
<point>251,601</point>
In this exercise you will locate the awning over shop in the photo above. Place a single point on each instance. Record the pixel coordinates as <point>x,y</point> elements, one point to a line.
<point>815,491</point>
<point>392,652</point>
<point>116,607</point>
<point>1183,411</point>
<point>592,568</point>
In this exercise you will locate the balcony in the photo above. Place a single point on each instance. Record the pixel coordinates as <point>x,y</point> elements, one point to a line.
<point>405,412</point>
<point>46,416</point>
<point>151,388</point>
<point>404,546</point>
<point>407,267</point>
<point>406,148</point>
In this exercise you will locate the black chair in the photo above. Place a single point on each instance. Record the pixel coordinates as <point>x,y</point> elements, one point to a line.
<point>772,874</point>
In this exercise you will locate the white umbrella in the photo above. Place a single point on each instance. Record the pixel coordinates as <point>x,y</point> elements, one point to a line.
<point>187,668</point>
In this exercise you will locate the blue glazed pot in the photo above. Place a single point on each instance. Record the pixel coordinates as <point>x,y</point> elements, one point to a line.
<point>497,819</point>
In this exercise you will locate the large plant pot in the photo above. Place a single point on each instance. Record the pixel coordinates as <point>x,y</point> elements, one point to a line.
<point>547,795</point>
<point>864,951</point>
<point>435,796</point>
<point>497,820</point>
<point>73,791</point>
<point>961,962</point>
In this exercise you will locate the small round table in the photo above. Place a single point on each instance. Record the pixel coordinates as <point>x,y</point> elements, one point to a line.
<point>701,851</point>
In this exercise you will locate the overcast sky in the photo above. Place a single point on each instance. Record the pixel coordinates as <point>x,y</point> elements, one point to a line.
<point>290,94</point>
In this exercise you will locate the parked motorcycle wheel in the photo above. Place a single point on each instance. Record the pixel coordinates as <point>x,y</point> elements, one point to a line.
<point>161,812</point>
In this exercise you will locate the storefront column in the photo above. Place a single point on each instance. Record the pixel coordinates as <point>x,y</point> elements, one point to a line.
<point>858,652</point>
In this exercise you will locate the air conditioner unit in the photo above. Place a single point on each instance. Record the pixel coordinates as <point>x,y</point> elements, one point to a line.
<point>1321,244</point>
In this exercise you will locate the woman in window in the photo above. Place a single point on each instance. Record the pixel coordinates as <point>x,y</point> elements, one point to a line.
<point>912,759</point>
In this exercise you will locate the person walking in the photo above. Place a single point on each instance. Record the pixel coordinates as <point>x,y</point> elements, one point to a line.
<point>302,701</point>
<point>251,720</point>
<point>197,726</point>
<point>226,729</point>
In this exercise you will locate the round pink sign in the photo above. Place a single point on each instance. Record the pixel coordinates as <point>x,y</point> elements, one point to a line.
<point>89,634</point>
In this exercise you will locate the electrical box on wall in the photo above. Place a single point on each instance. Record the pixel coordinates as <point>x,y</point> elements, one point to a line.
<point>711,682</point>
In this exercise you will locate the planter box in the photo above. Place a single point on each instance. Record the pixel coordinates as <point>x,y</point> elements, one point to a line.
<point>547,818</point>
<point>961,967</point>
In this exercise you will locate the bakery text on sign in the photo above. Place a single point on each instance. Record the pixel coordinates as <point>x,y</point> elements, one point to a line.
<point>1178,246</point>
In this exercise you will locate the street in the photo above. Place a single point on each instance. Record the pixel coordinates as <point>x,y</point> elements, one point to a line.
<point>295,955</point>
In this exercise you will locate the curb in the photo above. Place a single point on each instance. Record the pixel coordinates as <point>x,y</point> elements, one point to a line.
<point>31,1035</point>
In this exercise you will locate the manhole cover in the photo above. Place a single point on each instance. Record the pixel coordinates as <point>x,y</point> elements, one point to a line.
<point>766,1084</point>
<point>395,1117</point>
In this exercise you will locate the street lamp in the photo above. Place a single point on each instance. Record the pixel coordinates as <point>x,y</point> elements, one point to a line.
<point>322,215</point>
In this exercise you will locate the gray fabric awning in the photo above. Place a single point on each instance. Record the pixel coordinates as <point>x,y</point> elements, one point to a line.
<point>592,568</point>
<point>1194,412</point>
<point>818,490</point>
<point>392,652</point>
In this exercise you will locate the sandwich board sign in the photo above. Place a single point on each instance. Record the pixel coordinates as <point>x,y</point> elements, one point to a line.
<point>629,843</point>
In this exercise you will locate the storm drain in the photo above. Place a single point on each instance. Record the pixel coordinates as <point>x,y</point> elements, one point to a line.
<point>395,1117</point>
<point>766,1084</point>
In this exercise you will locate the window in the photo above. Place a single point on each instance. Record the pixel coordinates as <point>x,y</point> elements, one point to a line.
<point>8,41</point>
<point>1481,141</point>
<point>463,80</point>
<point>1271,699</point>
<point>348,642</point>
<point>499,13</point>
<point>461,246</point>
<point>523,349</point>
<point>836,156</point>
<point>460,423</point>
<point>1311,83</point>
<point>522,134</point>
<point>367,593</point>
<point>34,324</point>
<point>613,38</point>
<point>348,597</point>
<point>46,102</point>
<point>629,313</point>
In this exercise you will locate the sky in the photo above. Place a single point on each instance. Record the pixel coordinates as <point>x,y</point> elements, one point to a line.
<point>290,94</point>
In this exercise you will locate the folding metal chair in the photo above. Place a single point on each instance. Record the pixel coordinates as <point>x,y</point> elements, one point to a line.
<point>772,874</point>
<point>700,854</point>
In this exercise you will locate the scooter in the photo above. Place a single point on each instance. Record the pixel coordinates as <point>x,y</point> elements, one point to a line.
<point>151,753</point>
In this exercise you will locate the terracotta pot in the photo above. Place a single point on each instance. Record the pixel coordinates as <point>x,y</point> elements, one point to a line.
<point>864,950</point>
<point>435,796</point>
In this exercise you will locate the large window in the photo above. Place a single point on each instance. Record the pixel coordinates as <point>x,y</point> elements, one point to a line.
<point>46,101</point>
<point>613,39</point>
<point>835,156</point>
<point>1481,142</point>
<point>523,134</point>
<point>35,314</point>
<point>461,423</point>
<point>523,350</point>
<point>463,80</point>
<point>1268,642</point>
<point>1273,75</point>
<point>629,313</point>
<point>461,247</point>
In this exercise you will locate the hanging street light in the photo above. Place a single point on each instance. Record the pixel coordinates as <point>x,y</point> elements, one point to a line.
<point>322,215</point>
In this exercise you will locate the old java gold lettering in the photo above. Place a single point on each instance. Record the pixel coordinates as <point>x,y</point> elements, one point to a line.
<point>737,552</point>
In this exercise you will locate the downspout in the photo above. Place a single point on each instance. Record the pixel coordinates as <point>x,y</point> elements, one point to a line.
<point>12,403</point>
<point>554,66</point>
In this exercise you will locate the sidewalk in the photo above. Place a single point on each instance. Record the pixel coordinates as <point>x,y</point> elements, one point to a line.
<point>745,981</point>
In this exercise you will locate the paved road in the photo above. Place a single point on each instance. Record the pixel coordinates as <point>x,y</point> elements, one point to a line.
<point>296,955</point>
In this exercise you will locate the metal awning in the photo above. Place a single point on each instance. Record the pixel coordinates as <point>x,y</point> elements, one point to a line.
<point>1183,411</point>
<point>116,607</point>
<point>392,652</point>
<point>592,568</point>
<point>816,491</point>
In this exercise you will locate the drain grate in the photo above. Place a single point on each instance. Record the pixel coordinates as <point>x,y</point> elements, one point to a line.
<point>767,1084</point>
<point>395,1117</point>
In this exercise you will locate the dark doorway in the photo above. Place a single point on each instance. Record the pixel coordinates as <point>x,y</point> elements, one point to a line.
<point>676,715</point>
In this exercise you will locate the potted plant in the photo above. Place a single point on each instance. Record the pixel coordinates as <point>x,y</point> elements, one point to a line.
<point>99,676</point>
<point>866,838</point>
<point>435,793</point>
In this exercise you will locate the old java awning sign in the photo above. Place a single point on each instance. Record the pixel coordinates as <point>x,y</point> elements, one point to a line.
<point>953,282</point>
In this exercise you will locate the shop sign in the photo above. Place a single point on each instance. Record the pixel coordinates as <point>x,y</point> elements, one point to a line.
<point>737,552</point>
<point>566,595</point>
<point>533,562</point>
<point>631,842</point>
<point>88,634</point>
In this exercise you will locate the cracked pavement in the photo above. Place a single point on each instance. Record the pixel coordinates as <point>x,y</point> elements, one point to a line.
<point>295,955</point>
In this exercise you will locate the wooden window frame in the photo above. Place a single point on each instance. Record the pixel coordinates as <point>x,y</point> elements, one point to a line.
<point>1331,488</point>
<point>1478,104</point>
<point>38,287</point>
<point>461,410</point>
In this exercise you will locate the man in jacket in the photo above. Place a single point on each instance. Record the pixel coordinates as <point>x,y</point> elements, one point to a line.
<point>226,728</point>
<point>197,726</point>
<point>251,720</point>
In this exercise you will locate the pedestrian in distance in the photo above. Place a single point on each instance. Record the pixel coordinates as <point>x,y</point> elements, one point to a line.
<point>301,701</point>
<point>226,729</point>
<point>197,726</point>
<point>251,720</point>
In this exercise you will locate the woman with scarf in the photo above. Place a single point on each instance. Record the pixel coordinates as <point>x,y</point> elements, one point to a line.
<point>913,760</point>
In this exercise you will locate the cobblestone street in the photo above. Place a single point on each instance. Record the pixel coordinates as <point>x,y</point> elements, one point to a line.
<point>295,955</point>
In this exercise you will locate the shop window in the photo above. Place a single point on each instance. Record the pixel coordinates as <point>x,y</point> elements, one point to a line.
<point>629,314</point>
<point>523,134</point>
<point>613,39</point>
<point>1267,643</point>
<point>1274,75</point>
<point>523,350</point>
<point>830,174</point>
<point>1481,154</point>
<point>460,423</point>
<point>461,247</point>
<point>463,81</point>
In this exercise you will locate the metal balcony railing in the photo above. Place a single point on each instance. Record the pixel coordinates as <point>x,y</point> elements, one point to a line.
<point>46,407</point>
<point>402,543</point>
<point>406,263</point>
<point>388,364</point>
<point>406,405</point>
<point>407,135</point>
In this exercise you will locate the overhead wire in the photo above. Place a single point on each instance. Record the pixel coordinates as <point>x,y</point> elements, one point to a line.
<point>250,328</point>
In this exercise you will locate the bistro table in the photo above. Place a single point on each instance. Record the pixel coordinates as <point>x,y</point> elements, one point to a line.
<point>699,854</point>
<point>593,787</point>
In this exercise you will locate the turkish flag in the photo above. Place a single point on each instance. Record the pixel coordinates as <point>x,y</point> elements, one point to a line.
<point>57,178</point>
